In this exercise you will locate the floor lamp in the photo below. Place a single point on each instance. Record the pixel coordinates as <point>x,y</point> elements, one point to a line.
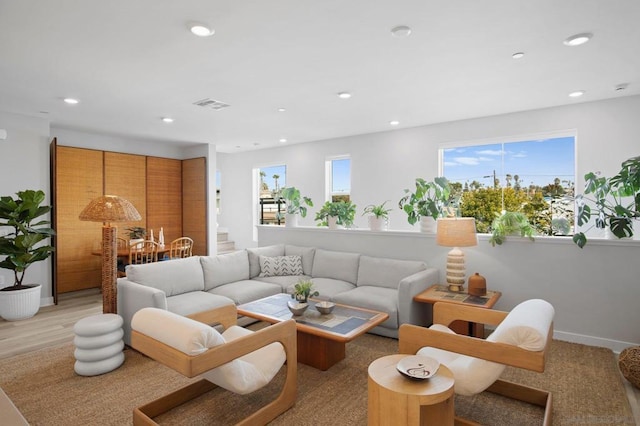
<point>456,232</point>
<point>107,209</point>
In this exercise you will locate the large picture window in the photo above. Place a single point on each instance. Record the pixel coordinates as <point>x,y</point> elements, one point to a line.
<point>534,176</point>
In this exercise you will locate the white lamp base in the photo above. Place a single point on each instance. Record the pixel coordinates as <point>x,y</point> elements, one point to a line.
<point>456,271</point>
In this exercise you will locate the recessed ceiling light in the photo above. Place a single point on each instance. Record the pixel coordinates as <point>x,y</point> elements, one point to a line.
<point>578,39</point>
<point>401,31</point>
<point>576,94</point>
<point>281,110</point>
<point>344,95</point>
<point>283,140</point>
<point>201,30</point>
<point>394,122</point>
<point>518,55</point>
<point>71,101</point>
<point>167,119</point>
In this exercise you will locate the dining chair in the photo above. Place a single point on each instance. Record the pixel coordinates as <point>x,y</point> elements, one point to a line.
<point>143,252</point>
<point>180,248</point>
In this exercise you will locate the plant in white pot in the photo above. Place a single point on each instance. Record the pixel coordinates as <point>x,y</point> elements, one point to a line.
<point>23,246</point>
<point>296,205</point>
<point>427,203</point>
<point>511,224</point>
<point>336,213</point>
<point>378,216</point>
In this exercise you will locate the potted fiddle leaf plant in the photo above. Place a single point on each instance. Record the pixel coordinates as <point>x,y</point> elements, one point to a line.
<point>22,246</point>
<point>427,203</point>
<point>378,216</point>
<point>615,202</point>
<point>511,223</point>
<point>295,203</point>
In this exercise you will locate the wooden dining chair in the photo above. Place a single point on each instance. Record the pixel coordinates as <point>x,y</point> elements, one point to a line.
<point>180,248</point>
<point>143,252</point>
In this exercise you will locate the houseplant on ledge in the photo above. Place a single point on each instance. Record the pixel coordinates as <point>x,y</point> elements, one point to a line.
<point>378,216</point>
<point>616,201</point>
<point>332,214</point>
<point>510,223</point>
<point>427,203</point>
<point>295,204</point>
<point>23,246</point>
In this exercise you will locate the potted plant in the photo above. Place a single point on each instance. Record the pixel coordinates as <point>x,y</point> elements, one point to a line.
<point>427,203</point>
<point>616,201</point>
<point>303,290</point>
<point>378,216</point>
<point>335,213</point>
<point>295,204</point>
<point>23,246</point>
<point>510,223</point>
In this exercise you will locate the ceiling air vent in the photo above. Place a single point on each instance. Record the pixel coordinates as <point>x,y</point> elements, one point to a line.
<point>211,103</point>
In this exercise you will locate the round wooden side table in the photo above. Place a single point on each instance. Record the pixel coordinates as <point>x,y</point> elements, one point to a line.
<point>398,400</point>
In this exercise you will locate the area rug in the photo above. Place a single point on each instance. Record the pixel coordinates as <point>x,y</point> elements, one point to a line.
<point>587,390</point>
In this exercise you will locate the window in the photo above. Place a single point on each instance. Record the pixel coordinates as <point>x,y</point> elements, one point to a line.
<point>533,176</point>
<point>272,179</point>
<point>338,179</point>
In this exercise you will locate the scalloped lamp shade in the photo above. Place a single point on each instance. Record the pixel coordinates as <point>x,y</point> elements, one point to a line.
<point>456,232</point>
<point>107,209</point>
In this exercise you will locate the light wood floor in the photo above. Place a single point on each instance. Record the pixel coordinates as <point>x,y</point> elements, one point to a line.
<point>53,325</point>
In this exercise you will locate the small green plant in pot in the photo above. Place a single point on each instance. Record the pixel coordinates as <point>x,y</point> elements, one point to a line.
<point>23,246</point>
<point>303,290</point>
<point>137,233</point>
<point>295,204</point>
<point>378,215</point>
<point>429,199</point>
<point>343,212</point>
<point>510,223</point>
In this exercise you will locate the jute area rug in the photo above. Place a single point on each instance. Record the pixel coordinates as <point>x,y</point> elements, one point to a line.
<point>587,390</point>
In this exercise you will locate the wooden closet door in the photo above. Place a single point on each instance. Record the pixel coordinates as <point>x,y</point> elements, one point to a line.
<point>78,181</point>
<point>164,197</point>
<point>125,176</point>
<point>194,203</point>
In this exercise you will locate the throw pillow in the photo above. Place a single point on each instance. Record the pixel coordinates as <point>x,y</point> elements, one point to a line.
<point>280,265</point>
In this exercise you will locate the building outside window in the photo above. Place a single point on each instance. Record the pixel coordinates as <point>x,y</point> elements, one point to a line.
<point>272,180</point>
<point>535,176</point>
<point>338,179</point>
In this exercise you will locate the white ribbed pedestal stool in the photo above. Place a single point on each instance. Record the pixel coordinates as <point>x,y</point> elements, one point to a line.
<point>98,344</point>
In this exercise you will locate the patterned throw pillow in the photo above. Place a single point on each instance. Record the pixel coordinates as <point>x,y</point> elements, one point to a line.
<point>280,265</point>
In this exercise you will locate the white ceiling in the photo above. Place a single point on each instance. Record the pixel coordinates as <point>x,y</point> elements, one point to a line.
<point>132,62</point>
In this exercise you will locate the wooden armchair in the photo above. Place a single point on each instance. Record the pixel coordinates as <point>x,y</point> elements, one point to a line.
<point>521,339</point>
<point>238,360</point>
<point>180,248</point>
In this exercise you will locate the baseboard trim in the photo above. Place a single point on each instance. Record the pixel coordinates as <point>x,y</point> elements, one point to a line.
<point>615,345</point>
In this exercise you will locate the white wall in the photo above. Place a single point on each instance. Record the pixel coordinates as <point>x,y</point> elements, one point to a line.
<point>24,164</point>
<point>595,290</point>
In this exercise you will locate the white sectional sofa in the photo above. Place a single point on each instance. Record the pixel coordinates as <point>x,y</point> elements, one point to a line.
<point>200,283</point>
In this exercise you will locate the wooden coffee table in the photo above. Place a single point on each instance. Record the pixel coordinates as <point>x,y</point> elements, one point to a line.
<point>321,338</point>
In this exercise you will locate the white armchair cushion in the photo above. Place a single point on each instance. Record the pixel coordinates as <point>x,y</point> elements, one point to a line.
<point>181,333</point>
<point>249,372</point>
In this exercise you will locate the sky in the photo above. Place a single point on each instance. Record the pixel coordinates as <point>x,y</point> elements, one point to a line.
<point>536,162</point>
<point>341,176</point>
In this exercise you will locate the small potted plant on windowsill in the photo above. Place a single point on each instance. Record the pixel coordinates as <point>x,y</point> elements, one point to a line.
<point>378,216</point>
<point>427,203</point>
<point>510,224</point>
<point>295,204</point>
<point>337,213</point>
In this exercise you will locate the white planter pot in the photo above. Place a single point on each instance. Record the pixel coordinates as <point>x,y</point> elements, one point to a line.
<point>428,225</point>
<point>377,223</point>
<point>20,304</point>
<point>332,221</point>
<point>290,220</point>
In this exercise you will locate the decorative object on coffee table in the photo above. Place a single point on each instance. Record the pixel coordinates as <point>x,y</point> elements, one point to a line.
<point>477,285</point>
<point>107,209</point>
<point>324,307</point>
<point>297,308</point>
<point>303,290</point>
<point>629,363</point>
<point>456,232</point>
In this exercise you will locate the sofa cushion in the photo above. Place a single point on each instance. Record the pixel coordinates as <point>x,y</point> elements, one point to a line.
<point>246,290</point>
<point>173,277</point>
<point>277,266</point>
<point>255,253</point>
<point>336,264</point>
<point>224,268</point>
<point>195,301</point>
<point>327,287</point>
<point>284,281</point>
<point>379,272</point>
<point>306,253</point>
<point>375,298</point>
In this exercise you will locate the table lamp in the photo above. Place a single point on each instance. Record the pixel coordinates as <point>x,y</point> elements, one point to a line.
<point>107,209</point>
<point>456,232</point>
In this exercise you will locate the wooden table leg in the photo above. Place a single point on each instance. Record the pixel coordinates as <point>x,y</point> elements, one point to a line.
<point>319,352</point>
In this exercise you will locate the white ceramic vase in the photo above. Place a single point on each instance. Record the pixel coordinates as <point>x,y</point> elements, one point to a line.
<point>428,225</point>
<point>290,220</point>
<point>20,304</point>
<point>332,222</point>
<point>377,223</point>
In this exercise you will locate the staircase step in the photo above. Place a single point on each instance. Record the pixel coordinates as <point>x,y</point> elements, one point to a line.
<point>223,236</point>
<point>226,247</point>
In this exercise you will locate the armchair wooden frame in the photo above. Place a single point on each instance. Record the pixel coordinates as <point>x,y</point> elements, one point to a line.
<point>191,366</point>
<point>412,338</point>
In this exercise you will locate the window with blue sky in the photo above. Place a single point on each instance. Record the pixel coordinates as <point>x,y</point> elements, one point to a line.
<point>339,178</point>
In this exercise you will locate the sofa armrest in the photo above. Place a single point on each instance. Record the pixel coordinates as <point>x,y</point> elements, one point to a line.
<point>414,312</point>
<point>132,297</point>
